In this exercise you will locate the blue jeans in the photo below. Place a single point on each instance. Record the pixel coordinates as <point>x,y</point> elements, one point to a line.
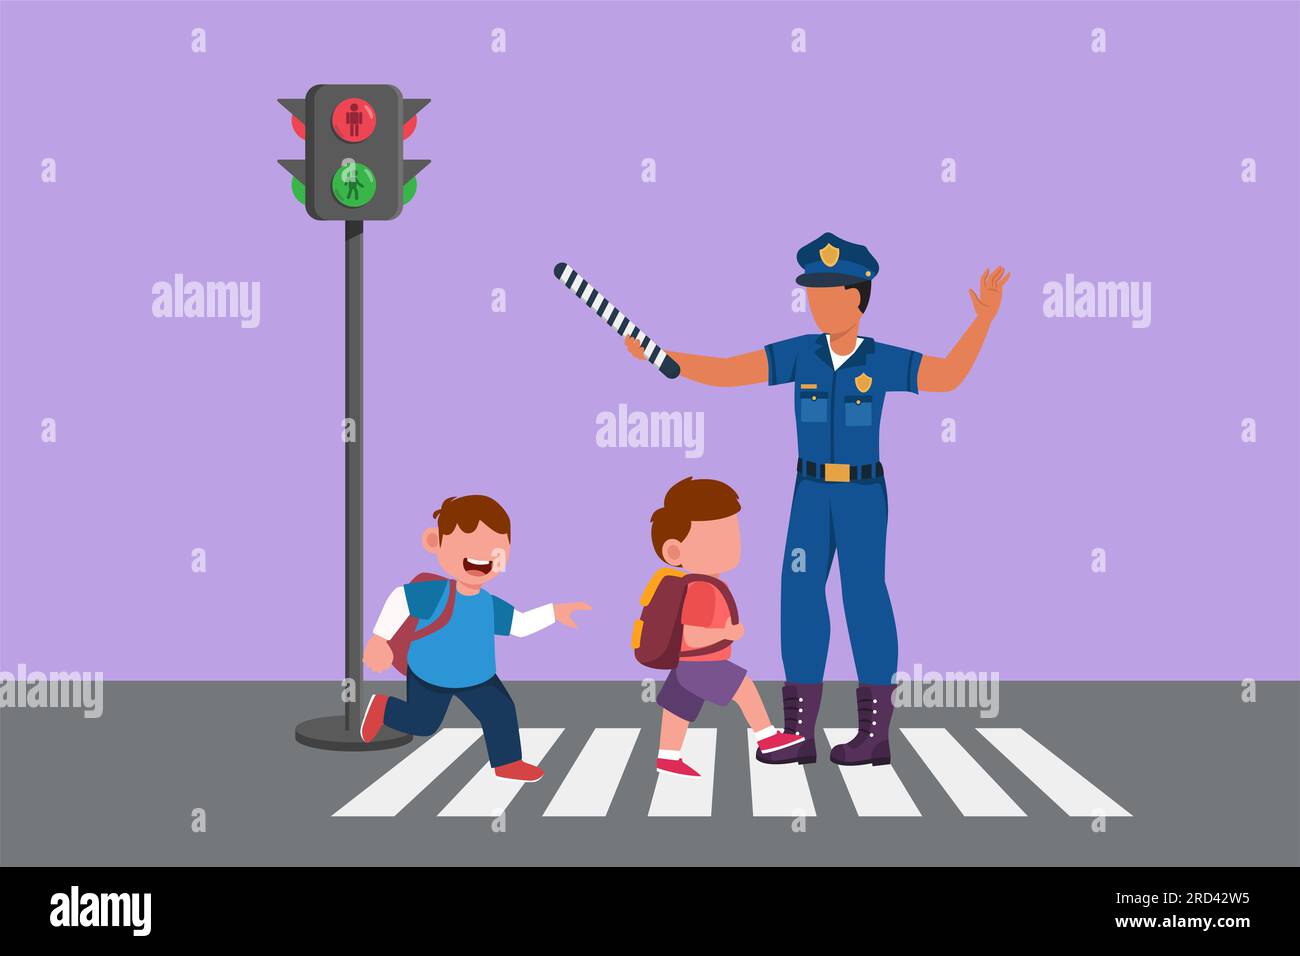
<point>426,705</point>
<point>830,519</point>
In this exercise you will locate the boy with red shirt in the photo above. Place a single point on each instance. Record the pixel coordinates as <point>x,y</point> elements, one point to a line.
<point>698,530</point>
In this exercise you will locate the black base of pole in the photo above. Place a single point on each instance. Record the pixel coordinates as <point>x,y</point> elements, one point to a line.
<point>332,733</point>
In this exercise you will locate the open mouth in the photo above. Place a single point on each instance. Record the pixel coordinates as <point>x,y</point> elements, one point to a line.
<point>477,567</point>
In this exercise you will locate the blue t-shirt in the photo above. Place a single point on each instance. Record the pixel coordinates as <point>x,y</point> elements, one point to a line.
<point>462,652</point>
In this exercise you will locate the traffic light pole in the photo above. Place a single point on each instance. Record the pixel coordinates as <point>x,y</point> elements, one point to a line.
<point>344,733</point>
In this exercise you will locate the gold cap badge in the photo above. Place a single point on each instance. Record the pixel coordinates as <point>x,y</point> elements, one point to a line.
<point>830,255</point>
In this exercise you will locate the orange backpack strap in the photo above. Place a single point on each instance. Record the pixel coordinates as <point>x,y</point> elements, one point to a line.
<point>655,580</point>
<point>657,635</point>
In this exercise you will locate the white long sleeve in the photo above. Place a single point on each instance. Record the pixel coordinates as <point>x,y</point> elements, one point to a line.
<point>393,615</point>
<point>524,623</point>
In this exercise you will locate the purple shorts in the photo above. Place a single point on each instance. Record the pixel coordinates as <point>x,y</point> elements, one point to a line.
<point>691,683</point>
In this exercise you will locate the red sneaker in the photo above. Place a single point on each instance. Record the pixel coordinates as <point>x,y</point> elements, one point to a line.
<point>374,717</point>
<point>519,771</point>
<point>678,766</point>
<point>779,741</point>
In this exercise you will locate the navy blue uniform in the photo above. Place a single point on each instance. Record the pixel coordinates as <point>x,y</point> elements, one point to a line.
<point>840,503</point>
<point>841,509</point>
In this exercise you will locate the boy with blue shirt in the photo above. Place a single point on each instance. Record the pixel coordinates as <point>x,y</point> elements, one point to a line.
<point>472,543</point>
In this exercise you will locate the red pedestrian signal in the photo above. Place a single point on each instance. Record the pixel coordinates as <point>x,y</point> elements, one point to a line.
<point>353,119</point>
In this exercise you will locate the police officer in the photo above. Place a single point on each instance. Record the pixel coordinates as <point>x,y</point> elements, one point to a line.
<point>840,380</point>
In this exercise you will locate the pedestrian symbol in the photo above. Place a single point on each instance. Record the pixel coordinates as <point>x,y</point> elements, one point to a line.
<point>353,184</point>
<point>353,119</point>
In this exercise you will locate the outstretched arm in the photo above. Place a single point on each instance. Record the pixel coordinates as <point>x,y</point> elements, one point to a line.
<point>747,369</point>
<point>524,623</point>
<point>944,374</point>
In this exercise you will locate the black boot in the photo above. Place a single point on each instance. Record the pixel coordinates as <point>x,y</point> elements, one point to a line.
<point>871,745</point>
<point>800,703</point>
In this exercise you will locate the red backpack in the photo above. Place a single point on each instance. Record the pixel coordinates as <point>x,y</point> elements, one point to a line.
<point>657,636</point>
<point>400,644</point>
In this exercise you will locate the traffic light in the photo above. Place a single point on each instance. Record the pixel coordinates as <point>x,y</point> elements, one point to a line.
<point>354,171</point>
<point>354,168</point>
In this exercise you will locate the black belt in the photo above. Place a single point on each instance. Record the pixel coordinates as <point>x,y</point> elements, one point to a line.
<point>834,472</point>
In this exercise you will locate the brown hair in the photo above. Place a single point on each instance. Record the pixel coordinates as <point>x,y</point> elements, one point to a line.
<point>468,511</point>
<point>691,499</point>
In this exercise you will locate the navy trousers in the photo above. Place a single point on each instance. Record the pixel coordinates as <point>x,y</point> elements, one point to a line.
<point>426,705</point>
<point>844,520</point>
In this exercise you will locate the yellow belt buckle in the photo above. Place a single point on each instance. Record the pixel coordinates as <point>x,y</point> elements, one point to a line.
<point>837,472</point>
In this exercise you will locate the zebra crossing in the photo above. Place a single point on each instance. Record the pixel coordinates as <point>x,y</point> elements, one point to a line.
<point>677,796</point>
<point>487,795</point>
<point>974,791</point>
<point>876,791</point>
<point>591,782</point>
<point>777,790</point>
<point>589,786</point>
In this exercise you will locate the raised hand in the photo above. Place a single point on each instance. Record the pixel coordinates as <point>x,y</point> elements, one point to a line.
<point>633,348</point>
<point>989,299</point>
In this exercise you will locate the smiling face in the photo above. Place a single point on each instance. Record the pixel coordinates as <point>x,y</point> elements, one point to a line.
<point>835,308</point>
<point>471,558</point>
<point>471,540</point>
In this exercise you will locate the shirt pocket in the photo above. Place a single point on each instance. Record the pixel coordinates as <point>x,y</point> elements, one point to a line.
<point>813,406</point>
<point>858,411</point>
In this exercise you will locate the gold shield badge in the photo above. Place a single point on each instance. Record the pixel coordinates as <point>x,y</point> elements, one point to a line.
<point>863,382</point>
<point>830,255</point>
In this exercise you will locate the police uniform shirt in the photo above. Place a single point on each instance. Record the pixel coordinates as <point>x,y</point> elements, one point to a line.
<point>837,411</point>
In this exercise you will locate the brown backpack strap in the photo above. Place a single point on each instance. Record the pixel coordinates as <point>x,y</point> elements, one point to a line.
<point>729,598</point>
<point>701,651</point>
<point>442,618</point>
<point>731,606</point>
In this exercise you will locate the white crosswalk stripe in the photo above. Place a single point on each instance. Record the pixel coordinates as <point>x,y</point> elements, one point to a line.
<point>488,795</point>
<point>777,790</point>
<point>678,796</point>
<point>876,791</point>
<point>589,786</point>
<point>1067,788</point>
<point>975,793</point>
<point>403,783</point>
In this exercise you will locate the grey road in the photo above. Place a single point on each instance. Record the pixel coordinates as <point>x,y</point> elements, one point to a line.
<point>1066,773</point>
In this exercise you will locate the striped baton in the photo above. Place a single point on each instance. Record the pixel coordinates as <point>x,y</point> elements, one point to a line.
<point>615,319</point>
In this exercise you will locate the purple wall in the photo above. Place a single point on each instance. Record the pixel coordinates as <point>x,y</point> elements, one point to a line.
<point>1072,433</point>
